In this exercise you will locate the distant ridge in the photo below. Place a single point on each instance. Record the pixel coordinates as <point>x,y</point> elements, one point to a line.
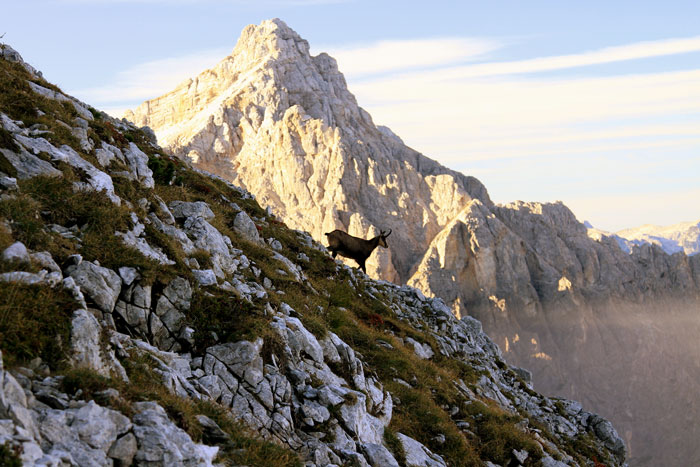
<point>684,236</point>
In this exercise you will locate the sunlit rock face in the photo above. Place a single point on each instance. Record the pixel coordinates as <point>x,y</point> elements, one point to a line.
<point>281,123</point>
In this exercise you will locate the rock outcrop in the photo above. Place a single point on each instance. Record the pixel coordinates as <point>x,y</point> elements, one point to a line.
<point>281,123</point>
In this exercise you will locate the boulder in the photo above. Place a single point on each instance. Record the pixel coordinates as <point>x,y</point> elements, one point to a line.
<point>161,442</point>
<point>182,210</point>
<point>100,285</point>
<point>245,226</point>
<point>16,253</point>
<point>418,455</point>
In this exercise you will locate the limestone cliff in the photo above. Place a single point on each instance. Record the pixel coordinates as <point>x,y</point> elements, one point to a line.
<point>283,124</point>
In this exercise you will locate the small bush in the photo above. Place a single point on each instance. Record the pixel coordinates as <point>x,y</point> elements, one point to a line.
<point>7,141</point>
<point>35,321</point>
<point>230,318</point>
<point>163,169</point>
<point>8,456</point>
<point>498,435</point>
<point>394,445</point>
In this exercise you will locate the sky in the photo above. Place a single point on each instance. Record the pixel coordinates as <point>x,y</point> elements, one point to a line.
<point>595,103</point>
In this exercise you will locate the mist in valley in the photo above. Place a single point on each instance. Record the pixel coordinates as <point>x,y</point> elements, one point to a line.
<point>636,364</point>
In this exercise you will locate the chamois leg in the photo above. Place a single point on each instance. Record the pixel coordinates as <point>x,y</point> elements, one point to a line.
<point>335,253</point>
<point>362,266</point>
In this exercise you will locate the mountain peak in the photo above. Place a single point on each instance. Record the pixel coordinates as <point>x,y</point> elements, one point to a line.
<point>283,123</point>
<point>271,39</point>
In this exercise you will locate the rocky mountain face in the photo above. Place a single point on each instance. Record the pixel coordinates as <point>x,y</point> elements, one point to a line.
<point>684,236</point>
<point>155,314</point>
<point>282,123</point>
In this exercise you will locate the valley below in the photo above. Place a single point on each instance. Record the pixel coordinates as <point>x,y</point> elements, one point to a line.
<point>638,365</point>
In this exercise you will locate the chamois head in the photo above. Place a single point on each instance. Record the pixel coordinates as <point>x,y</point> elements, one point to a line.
<point>382,238</point>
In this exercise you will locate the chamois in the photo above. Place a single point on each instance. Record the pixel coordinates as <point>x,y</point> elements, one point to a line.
<point>356,248</point>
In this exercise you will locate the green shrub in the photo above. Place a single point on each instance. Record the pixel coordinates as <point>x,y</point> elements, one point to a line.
<point>7,141</point>
<point>163,169</point>
<point>8,456</point>
<point>498,436</point>
<point>35,321</point>
<point>230,318</point>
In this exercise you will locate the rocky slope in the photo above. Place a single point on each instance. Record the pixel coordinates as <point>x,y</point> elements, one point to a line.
<point>282,123</point>
<point>154,314</point>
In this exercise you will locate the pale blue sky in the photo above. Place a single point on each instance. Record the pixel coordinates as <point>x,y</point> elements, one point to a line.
<point>593,103</point>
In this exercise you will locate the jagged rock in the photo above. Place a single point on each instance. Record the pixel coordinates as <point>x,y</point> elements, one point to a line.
<point>174,232</point>
<point>96,179</point>
<point>46,261</point>
<point>132,239</point>
<point>164,212</point>
<point>100,284</point>
<point>417,454</point>
<point>85,343</point>
<point>170,309</point>
<point>99,427</point>
<point>10,54</point>
<point>208,238</point>
<point>183,210</point>
<point>128,275</point>
<point>22,277</point>
<point>300,340</point>
<point>421,350</point>
<point>274,244</point>
<point>162,443</point>
<point>13,403</point>
<point>138,164</point>
<point>242,358</point>
<point>107,153</point>
<point>212,433</point>
<point>379,456</point>
<point>124,449</point>
<point>549,461</point>
<point>28,165</point>
<point>204,277</point>
<point>8,183</point>
<point>58,96</point>
<point>70,285</point>
<point>245,226</point>
<point>521,455</point>
<point>16,253</point>
<point>607,433</point>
